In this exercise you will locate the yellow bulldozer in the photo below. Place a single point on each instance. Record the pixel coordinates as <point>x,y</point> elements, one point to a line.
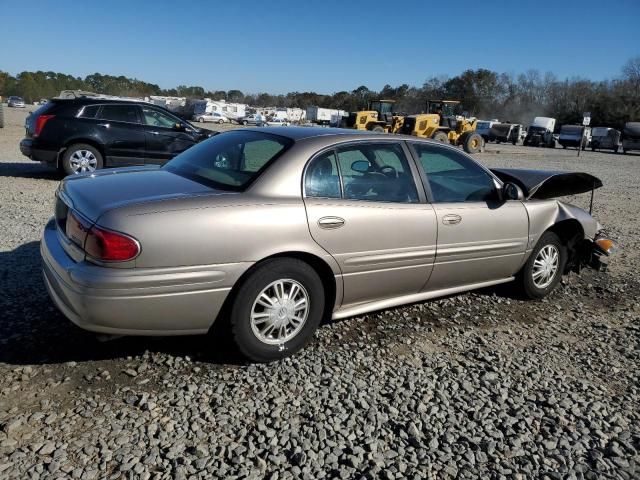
<point>378,118</point>
<point>444,122</point>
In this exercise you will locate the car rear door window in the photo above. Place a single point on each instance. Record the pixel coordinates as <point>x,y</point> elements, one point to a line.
<point>453,177</point>
<point>376,172</point>
<point>321,179</point>
<point>120,113</point>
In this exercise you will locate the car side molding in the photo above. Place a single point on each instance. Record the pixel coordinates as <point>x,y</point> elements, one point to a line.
<point>363,308</point>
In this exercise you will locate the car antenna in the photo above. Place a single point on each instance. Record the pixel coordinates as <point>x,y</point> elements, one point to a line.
<point>593,189</point>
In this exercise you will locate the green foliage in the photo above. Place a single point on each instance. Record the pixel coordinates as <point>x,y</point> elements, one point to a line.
<point>484,93</point>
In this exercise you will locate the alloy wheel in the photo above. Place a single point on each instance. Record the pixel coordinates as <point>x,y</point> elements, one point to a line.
<point>280,311</point>
<point>545,266</point>
<point>82,161</point>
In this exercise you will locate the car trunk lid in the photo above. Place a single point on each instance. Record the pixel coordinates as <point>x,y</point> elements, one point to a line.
<point>94,194</point>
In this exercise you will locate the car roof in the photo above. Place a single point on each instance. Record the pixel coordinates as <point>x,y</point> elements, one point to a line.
<point>300,133</point>
<point>93,100</point>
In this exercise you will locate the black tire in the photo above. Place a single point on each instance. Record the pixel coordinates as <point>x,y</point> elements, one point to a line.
<point>525,276</point>
<point>1,115</point>
<point>220,122</point>
<point>564,146</point>
<point>472,143</point>
<point>377,129</point>
<point>440,136</point>
<point>244,122</point>
<point>240,318</point>
<point>65,164</point>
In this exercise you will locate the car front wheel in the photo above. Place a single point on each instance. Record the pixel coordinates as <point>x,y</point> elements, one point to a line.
<point>544,268</point>
<point>277,309</point>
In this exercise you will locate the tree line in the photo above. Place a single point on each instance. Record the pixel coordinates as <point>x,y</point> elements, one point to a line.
<point>484,93</point>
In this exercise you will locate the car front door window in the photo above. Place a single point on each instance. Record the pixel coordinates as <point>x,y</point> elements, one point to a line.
<point>156,118</point>
<point>452,177</point>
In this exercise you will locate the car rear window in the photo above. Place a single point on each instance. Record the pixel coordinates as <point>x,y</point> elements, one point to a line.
<point>89,111</point>
<point>231,160</point>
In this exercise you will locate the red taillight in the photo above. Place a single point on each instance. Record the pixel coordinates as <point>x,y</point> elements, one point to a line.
<point>40,123</point>
<point>110,246</point>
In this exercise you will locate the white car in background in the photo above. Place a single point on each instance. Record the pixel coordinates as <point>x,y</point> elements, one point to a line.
<point>277,122</point>
<point>215,117</point>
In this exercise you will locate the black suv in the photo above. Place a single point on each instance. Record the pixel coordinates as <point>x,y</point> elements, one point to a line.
<point>87,133</point>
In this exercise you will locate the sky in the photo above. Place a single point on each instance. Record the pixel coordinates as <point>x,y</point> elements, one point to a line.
<point>278,46</point>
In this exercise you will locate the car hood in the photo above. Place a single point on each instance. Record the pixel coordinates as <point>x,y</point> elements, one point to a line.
<point>543,184</point>
<point>96,193</point>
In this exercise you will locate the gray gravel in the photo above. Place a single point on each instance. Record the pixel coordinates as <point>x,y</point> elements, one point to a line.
<point>481,385</point>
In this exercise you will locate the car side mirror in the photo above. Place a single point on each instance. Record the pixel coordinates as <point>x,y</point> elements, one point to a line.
<point>180,127</point>
<point>360,166</point>
<point>511,191</point>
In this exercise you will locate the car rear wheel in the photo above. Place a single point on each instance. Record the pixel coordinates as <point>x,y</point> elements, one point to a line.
<point>244,122</point>
<point>277,309</point>
<point>220,121</point>
<point>201,120</point>
<point>544,268</point>
<point>81,158</point>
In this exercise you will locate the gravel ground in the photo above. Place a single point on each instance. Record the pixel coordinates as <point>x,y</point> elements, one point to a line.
<point>480,385</point>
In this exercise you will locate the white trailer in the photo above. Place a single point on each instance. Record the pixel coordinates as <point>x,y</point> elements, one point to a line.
<point>322,116</point>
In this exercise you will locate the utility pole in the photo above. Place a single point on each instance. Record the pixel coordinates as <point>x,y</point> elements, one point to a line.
<point>586,120</point>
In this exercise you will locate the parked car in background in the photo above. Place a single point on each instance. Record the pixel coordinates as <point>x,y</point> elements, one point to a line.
<point>88,133</point>
<point>540,133</point>
<point>631,137</point>
<point>277,122</point>
<point>574,136</point>
<point>285,227</point>
<point>255,119</point>
<point>15,102</point>
<point>215,117</point>
<point>604,138</point>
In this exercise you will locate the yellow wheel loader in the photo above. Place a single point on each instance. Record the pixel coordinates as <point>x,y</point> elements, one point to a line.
<point>378,118</point>
<point>443,123</point>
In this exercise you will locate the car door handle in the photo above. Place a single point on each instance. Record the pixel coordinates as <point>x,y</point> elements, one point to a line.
<point>103,125</point>
<point>154,133</point>
<point>451,219</point>
<point>331,222</point>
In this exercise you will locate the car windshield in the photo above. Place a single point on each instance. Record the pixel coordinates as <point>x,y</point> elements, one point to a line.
<point>231,160</point>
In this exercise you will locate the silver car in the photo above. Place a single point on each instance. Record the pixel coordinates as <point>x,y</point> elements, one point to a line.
<point>16,102</point>
<point>274,229</point>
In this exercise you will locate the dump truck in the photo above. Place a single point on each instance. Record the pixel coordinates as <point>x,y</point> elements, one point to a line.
<point>443,122</point>
<point>540,133</point>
